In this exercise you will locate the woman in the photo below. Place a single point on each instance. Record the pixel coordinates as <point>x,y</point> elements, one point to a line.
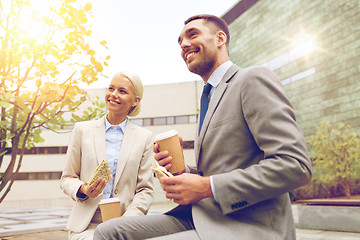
<point>126,147</point>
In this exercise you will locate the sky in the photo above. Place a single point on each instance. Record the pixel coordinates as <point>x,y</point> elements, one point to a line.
<point>142,36</point>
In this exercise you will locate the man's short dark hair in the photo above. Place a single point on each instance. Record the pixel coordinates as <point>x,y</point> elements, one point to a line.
<point>219,22</point>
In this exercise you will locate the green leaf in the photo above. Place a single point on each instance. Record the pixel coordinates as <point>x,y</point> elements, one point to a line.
<point>4,104</point>
<point>66,43</point>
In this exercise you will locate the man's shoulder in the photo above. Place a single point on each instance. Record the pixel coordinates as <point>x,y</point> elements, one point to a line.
<point>259,73</point>
<point>254,69</point>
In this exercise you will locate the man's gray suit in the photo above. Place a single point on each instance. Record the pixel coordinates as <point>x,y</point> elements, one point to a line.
<point>256,153</point>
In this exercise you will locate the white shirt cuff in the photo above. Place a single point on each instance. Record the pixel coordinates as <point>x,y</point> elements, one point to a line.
<point>213,188</point>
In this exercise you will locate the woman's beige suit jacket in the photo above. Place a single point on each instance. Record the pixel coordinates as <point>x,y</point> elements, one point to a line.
<point>133,179</point>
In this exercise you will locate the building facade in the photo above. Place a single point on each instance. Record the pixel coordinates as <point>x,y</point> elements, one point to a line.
<point>314,48</point>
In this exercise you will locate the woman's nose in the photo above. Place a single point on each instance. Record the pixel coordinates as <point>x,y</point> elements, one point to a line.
<point>114,93</point>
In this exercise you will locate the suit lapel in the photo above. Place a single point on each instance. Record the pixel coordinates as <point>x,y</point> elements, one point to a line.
<point>99,139</point>
<point>219,93</point>
<point>128,141</point>
<point>212,107</point>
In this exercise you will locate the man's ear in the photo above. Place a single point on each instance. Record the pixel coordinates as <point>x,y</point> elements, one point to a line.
<point>221,38</point>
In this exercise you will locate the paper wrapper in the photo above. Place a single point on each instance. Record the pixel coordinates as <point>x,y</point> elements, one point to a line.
<point>160,171</point>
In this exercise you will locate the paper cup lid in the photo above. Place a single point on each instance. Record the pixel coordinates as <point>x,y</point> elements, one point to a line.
<point>165,135</point>
<point>109,200</point>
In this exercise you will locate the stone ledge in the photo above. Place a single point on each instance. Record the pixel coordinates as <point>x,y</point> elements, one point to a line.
<point>340,201</point>
<point>25,221</point>
<point>332,218</point>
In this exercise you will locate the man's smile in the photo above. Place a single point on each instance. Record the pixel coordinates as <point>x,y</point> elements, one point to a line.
<point>190,53</point>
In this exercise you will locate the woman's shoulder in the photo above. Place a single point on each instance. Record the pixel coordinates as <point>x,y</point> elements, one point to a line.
<point>90,123</point>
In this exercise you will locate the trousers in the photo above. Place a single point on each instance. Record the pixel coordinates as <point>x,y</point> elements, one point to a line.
<point>174,225</point>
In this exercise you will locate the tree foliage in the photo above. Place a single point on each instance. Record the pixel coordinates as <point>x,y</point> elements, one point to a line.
<point>45,54</point>
<point>336,154</point>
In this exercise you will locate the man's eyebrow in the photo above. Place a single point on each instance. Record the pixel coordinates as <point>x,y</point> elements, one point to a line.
<point>186,32</point>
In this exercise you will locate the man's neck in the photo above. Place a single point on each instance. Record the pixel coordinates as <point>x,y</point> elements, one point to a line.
<point>207,75</point>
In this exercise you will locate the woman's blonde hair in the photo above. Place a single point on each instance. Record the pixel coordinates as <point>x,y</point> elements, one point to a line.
<point>138,87</point>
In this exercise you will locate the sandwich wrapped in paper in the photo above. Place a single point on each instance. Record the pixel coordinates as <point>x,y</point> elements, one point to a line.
<point>160,171</point>
<point>102,171</point>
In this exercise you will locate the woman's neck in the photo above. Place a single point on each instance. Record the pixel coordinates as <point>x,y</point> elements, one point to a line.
<point>114,119</point>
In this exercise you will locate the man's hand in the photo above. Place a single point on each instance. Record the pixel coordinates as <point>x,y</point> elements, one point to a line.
<point>93,190</point>
<point>163,158</point>
<point>186,188</point>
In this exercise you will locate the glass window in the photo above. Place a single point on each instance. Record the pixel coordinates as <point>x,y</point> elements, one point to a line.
<point>165,120</point>
<point>137,121</point>
<point>170,120</point>
<point>147,122</point>
<point>192,119</point>
<point>159,121</point>
<point>181,119</point>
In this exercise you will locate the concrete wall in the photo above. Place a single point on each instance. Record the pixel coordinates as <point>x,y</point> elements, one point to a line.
<point>171,99</point>
<point>323,84</point>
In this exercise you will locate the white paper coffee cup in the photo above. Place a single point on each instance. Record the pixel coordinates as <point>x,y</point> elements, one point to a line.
<point>110,208</point>
<point>170,141</point>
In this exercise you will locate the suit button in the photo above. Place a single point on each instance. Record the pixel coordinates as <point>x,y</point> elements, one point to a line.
<point>201,173</point>
<point>244,203</point>
<point>239,205</point>
<point>116,191</point>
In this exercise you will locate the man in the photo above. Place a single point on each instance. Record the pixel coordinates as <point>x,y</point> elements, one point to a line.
<point>250,153</point>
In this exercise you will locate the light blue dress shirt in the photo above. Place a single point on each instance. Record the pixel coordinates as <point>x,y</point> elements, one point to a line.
<point>114,135</point>
<point>217,75</point>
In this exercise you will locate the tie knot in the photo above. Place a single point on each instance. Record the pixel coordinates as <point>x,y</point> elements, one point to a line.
<point>207,88</point>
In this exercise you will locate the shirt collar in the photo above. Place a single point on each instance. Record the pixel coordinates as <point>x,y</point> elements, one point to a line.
<point>121,125</point>
<point>219,73</point>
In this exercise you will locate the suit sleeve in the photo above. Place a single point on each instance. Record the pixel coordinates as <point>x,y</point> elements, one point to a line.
<point>70,180</point>
<point>270,119</point>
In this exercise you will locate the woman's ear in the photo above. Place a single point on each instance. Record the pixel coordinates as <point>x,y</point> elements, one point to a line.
<point>136,102</point>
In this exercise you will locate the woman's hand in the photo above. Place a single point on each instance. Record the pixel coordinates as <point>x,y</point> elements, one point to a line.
<point>93,190</point>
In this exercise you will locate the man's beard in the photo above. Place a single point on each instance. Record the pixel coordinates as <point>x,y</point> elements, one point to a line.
<point>203,67</point>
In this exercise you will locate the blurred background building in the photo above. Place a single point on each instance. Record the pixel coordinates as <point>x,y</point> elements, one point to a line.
<point>313,46</point>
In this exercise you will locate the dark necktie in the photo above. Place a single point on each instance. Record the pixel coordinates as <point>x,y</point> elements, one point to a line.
<point>204,103</point>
